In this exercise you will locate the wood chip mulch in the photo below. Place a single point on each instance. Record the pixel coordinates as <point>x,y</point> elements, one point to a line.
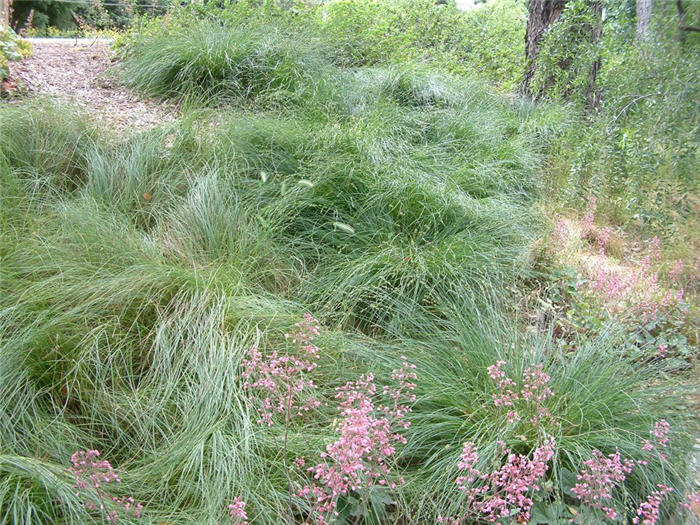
<point>78,70</point>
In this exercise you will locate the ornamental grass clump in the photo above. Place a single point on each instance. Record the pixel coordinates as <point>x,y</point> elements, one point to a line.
<point>509,492</point>
<point>212,63</point>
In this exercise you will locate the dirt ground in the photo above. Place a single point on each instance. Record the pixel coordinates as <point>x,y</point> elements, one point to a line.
<point>80,71</point>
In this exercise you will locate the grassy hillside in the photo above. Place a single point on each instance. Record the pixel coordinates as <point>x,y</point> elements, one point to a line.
<point>401,207</point>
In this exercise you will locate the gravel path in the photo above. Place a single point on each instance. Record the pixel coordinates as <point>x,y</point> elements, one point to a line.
<point>77,70</point>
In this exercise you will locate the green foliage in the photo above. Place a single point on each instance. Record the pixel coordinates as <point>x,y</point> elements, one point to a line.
<point>566,53</point>
<point>60,18</point>
<point>638,151</point>
<point>4,67</point>
<point>485,42</point>
<point>42,13</point>
<point>578,313</point>
<point>212,61</point>
<point>398,203</point>
<point>11,48</point>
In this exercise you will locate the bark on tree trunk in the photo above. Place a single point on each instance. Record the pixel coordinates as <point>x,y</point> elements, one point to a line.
<point>592,92</point>
<point>644,10</point>
<point>5,12</point>
<point>541,14</point>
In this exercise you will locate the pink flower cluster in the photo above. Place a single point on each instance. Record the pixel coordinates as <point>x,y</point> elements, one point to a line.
<point>598,479</point>
<point>282,376</point>
<point>534,392</point>
<point>506,491</point>
<point>91,474</point>
<point>648,511</point>
<point>662,349</point>
<point>560,235</point>
<point>640,291</point>
<point>692,500</point>
<point>369,432</point>
<point>237,512</point>
<point>603,240</point>
<point>659,436</point>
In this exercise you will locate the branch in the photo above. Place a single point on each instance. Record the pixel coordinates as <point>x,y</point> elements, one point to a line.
<point>681,18</point>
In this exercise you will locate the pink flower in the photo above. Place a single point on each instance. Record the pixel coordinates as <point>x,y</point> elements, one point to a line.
<point>659,435</point>
<point>283,376</point>
<point>603,240</point>
<point>533,393</point>
<point>369,432</point>
<point>237,512</point>
<point>676,271</point>
<point>661,351</point>
<point>692,499</point>
<point>506,386</point>
<point>648,512</point>
<point>505,491</point>
<point>637,292</point>
<point>91,475</point>
<point>561,233</point>
<point>598,479</point>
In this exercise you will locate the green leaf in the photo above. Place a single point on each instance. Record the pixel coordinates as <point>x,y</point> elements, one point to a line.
<point>343,227</point>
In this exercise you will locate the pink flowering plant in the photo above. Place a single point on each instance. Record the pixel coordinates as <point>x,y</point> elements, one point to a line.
<point>524,400</point>
<point>371,426</point>
<point>237,512</point>
<point>92,480</point>
<point>504,493</point>
<point>648,511</point>
<point>282,377</point>
<point>648,310</point>
<point>639,295</point>
<point>517,483</point>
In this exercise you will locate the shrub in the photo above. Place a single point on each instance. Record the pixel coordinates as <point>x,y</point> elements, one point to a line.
<point>637,154</point>
<point>487,42</point>
<point>11,48</point>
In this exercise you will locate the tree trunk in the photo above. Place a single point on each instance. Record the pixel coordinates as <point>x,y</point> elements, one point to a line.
<point>592,92</point>
<point>5,12</point>
<point>541,14</point>
<point>644,9</point>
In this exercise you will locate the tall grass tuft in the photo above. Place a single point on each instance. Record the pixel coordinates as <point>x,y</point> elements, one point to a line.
<point>247,61</point>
